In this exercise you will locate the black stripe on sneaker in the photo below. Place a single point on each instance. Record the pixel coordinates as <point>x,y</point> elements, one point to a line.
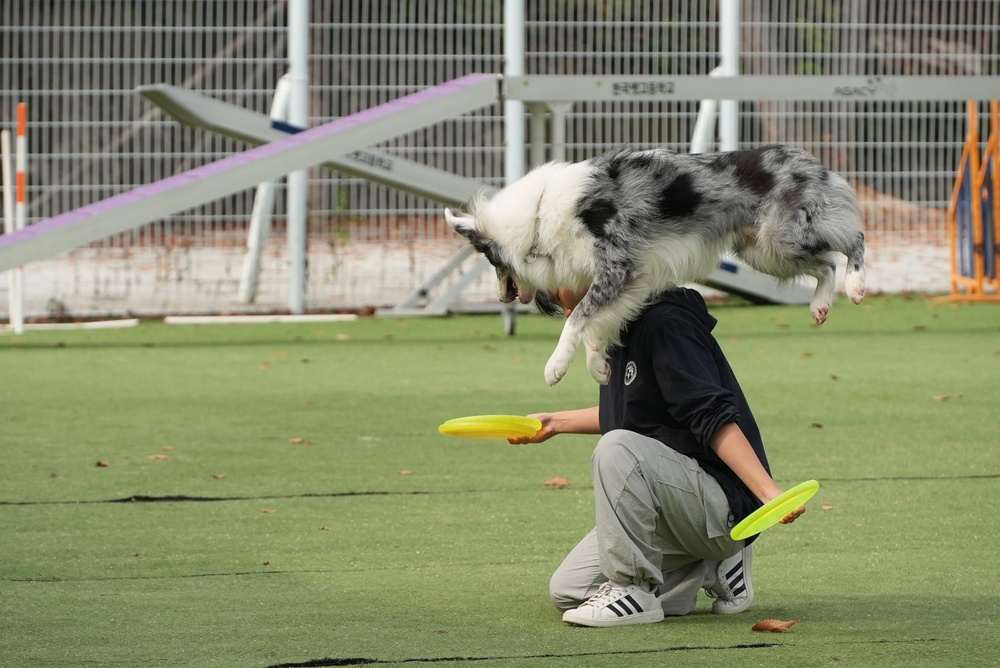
<point>612,608</point>
<point>735,581</point>
<point>625,606</point>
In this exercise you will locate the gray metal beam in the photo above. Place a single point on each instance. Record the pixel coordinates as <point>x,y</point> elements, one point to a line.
<point>554,88</point>
<point>270,161</point>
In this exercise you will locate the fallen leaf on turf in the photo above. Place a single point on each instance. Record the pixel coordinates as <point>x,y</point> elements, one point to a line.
<point>167,448</point>
<point>941,397</point>
<point>826,506</point>
<point>343,337</point>
<point>556,482</point>
<point>269,511</point>
<point>219,476</point>
<point>264,366</point>
<point>159,457</point>
<point>816,425</point>
<point>834,376</point>
<point>296,440</point>
<point>806,354</point>
<point>103,464</point>
<point>774,625</point>
<point>406,472</point>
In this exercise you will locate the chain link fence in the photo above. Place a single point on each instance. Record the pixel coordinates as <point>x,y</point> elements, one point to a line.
<point>77,63</point>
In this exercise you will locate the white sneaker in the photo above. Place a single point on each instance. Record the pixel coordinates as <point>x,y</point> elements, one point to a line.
<point>733,586</point>
<point>617,605</point>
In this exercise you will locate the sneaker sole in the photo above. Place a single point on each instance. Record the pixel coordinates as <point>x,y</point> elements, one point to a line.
<point>651,617</point>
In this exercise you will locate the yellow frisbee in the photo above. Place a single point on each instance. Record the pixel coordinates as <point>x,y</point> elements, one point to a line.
<point>491,426</point>
<point>771,512</point>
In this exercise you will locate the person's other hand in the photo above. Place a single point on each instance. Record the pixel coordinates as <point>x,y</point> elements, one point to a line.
<point>792,516</point>
<point>545,433</point>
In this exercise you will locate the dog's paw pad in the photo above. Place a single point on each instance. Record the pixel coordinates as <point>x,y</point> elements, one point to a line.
<point>819,314</point>
<point>603,376</point>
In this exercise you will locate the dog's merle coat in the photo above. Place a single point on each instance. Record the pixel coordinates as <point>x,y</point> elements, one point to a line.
<point>630,224</point>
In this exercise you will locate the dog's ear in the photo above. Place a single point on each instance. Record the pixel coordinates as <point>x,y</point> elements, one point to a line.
<point>464,225</point>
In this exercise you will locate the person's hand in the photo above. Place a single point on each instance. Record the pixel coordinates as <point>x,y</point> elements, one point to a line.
<point>792,516</point>
<point>545,433</point>
<point>773,493</point>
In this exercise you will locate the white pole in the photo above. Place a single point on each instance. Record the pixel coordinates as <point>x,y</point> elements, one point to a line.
<point>729,48</point>
<point>8,218</point>
<point>263,208</point>
<point>703,135</point>
<point>513,113</point>
<point>298,114</point>
<point>513,110</point>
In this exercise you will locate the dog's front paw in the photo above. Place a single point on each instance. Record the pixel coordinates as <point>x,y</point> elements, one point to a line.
<point>597,364</point>
<point>557,366</point>
<point>854,285</point>
<point>819,313</point>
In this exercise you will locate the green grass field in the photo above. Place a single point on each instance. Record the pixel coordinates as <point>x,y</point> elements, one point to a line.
<point>278,495</point>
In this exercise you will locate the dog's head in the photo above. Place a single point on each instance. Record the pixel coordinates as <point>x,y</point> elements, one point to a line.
<point>511,284</point>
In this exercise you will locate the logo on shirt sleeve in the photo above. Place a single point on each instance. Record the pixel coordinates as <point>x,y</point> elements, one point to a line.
<point>630,372</point>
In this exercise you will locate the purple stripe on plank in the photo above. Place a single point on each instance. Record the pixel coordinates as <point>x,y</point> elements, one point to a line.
<point>76,216</point>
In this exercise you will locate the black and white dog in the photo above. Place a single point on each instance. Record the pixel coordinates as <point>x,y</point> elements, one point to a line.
<point>630,224</point>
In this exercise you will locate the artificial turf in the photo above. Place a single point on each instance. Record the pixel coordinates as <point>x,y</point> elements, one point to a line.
<point>278,495</point>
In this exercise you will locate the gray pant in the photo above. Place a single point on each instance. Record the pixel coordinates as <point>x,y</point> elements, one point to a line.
<point>661,522</point>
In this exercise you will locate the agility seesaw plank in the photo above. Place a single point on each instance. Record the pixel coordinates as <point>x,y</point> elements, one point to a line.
<point>270,161</point>
<point>738,279</point>
<point>197,111</point>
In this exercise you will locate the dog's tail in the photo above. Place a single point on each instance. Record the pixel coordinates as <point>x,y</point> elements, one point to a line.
<point>854,283</point>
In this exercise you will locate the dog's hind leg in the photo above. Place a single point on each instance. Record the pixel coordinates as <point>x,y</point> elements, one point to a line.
<point>854,282</point>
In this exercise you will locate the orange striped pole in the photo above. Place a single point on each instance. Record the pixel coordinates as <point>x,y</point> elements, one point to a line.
<point>21,164</point>
<point>20,210</point>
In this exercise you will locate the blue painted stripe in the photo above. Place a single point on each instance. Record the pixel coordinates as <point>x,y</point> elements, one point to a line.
<point>286,127</point>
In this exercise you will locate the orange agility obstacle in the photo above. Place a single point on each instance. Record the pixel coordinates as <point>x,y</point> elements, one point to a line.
<point>974,214</point>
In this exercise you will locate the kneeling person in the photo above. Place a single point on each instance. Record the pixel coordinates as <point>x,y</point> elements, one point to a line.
<point>679,463</point>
